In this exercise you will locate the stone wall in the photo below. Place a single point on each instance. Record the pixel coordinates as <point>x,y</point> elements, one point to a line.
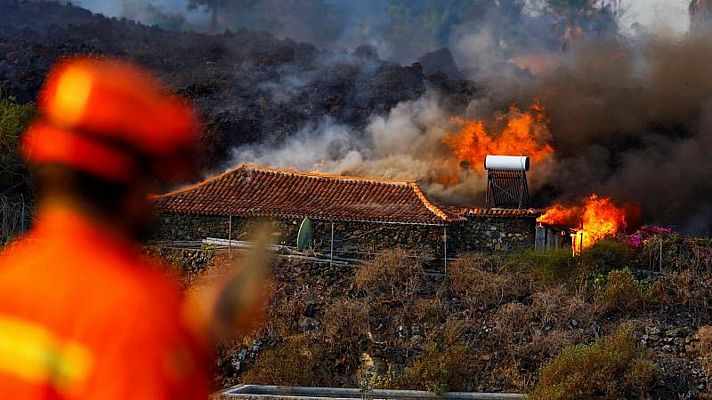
<point>481,234</point>
<point>360,239</point>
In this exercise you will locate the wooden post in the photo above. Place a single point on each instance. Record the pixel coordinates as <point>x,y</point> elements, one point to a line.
<point>331,259</point>
<point>445,246</point>
<point>229,235</point>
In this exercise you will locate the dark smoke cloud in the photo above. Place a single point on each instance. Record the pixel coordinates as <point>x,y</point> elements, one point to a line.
<point>632,120</point>
<point>635,122</point>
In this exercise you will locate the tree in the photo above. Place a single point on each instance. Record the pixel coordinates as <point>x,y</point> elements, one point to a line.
<point>422,25</point>
<point>216,6</point>
<point>579,17</point>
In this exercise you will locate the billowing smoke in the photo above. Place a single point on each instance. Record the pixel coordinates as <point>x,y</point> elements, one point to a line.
<point>307,149</point>
<point>628,119</point>
<point>406,143</point>
<point>634,123</point>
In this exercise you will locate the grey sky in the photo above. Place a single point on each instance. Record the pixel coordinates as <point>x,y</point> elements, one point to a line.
<point>667,16</point>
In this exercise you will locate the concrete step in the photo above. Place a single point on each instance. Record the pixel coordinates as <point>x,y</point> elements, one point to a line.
<point>264,392</point>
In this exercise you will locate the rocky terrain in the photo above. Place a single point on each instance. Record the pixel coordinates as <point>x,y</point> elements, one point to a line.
<point>494,323</point>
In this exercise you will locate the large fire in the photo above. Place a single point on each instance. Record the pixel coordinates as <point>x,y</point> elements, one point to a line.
<point>515,133</point>
<point>596,219</point>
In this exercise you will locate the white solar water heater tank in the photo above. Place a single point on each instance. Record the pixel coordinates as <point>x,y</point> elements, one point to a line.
<point>511,163</point>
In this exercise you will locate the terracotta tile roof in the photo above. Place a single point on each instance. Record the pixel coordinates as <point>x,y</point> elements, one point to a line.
<point>500,212</point>
<point>249,190</point>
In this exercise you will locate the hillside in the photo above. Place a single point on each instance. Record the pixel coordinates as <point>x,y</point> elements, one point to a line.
<point>630,317</point>
<point>248,85</point>
<point>611,322</point>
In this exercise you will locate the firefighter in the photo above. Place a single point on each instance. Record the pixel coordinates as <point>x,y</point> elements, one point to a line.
<point>83,315</point>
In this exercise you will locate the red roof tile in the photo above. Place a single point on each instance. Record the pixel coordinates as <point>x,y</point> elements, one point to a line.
<point>259,191</point>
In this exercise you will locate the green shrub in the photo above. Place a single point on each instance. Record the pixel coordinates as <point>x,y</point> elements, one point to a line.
<point>613,367</point>
<point>674,252</point>
<point>607,255</point>
<point>14,119</point>
<point>549,266</point>
<point>622,293</point>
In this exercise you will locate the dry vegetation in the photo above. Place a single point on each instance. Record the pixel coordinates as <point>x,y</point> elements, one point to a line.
<point>612,367</point>
<point>297,359</point>
<point>559,327</point>
<point>621,294</point>
<point>483,281</point>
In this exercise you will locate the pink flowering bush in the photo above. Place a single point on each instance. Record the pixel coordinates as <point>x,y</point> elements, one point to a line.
<point>659,247</point>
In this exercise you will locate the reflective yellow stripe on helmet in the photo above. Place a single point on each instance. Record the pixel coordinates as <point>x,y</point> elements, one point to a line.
<point>33,353</point>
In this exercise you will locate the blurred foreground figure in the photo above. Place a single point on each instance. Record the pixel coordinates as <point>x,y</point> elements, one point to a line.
<point>82,314</point>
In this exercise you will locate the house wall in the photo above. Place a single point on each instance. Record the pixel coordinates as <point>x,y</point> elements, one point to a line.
<point>359,239</point>
<point>483,234</point>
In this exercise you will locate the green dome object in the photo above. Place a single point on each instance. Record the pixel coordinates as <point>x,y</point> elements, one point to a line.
<point>304,237</point>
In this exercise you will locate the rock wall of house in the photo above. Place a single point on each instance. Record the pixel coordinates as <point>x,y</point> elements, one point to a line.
<point>359,239</point>
<point>482,234</point>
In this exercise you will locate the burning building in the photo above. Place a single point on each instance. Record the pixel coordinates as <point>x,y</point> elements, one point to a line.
<point>594,220</point>
<point>353,217</point>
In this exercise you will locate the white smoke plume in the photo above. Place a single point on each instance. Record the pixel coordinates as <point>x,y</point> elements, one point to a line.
<point>405,144</point>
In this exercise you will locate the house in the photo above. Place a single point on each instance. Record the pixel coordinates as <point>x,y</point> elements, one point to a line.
<point>352,216</point>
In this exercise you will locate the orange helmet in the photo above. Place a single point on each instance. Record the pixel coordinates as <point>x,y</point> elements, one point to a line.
<point>112,119</point>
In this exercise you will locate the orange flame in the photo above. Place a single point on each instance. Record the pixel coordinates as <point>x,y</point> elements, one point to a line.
<point>596,219</point>
<point>519,133</point>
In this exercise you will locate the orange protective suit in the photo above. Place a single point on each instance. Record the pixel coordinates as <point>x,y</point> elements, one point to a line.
<point>84,316</point>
